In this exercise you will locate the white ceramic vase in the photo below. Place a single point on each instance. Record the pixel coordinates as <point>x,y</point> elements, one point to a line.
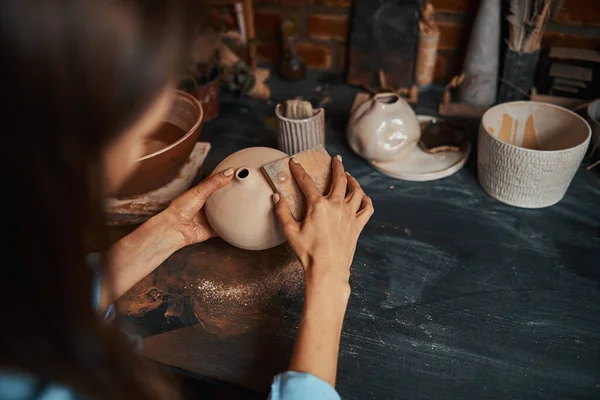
<point>384,128</point>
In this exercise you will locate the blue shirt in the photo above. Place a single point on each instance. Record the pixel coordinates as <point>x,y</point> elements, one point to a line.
<point>289,385</point>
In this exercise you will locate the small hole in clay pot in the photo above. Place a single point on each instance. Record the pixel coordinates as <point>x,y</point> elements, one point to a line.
<point>243,173</point>
<point>387,99</point>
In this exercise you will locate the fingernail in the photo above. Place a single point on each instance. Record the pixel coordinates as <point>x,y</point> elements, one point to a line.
<point>347,173</point>
<point>295,160</point>
<point>339,157</point>
<point>276,198</point>
<point>228,172</point>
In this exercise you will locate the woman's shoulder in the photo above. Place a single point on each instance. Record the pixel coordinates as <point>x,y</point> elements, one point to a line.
<point>16,386</point>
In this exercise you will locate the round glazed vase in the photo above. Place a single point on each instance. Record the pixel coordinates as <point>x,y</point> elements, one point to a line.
<point>242,212</point>
<point>384,128</point>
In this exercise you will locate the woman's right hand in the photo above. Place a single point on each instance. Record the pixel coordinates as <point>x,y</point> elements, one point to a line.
<point>325,240</point>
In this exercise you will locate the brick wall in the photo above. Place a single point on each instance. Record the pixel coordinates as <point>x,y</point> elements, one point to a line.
<point>575,23</point>
<point>324,27</point>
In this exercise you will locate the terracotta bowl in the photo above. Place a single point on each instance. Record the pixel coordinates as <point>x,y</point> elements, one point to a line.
<point>168,148</point>
<point>529,152</point>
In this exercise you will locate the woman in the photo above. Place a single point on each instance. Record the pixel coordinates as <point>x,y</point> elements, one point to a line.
<point>83,83</point>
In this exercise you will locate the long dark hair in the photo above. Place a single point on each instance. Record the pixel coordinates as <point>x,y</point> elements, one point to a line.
<point>75,75</point>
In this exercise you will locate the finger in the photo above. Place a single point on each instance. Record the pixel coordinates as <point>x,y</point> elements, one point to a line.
<point>338,181</point>
<point>355,193</point>
<point>192,201</point>
<point>284,214</point>
<point>353,185</point>
<point>366,210</point>
<point>304,181</point>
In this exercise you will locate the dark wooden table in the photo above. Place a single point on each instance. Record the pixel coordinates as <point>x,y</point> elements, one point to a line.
<point>454,294</point>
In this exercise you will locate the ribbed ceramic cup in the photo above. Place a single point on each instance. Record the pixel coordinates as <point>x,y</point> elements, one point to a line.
<point>529,152</point>
<point>296,135</point>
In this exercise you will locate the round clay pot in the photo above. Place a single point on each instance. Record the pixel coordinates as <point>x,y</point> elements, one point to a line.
<point>529,152</point>
<point>242,213</point>
<point>208,96</point>
<point>384,128</point>
<point>168,148</point>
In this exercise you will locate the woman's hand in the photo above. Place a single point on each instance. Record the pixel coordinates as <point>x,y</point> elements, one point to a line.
<point>139,253</point>
<point>185,215</point>
<point>324,242</point>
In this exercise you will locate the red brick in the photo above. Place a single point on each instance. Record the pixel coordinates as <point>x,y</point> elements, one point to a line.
<point>456,6</point>
<point>328,27</point>
<point>453,35</point>
<point>315,55</point>
<point>268,24</point>
<point>579,12</point>
<point>333,3</point>
<point>560,39</point>
<point>270,52</point>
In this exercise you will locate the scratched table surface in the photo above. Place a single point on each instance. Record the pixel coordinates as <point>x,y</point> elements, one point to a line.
<point>454,294</point>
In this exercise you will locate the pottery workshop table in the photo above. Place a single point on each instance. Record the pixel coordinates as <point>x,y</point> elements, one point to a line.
<point>454,294</point>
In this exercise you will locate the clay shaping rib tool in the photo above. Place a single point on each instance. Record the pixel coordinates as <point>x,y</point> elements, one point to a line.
<point>317,163</point>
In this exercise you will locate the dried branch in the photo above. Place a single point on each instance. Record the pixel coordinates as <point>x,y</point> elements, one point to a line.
<point>527,21</point>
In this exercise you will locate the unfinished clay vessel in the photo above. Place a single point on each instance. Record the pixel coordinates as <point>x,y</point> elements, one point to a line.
<point>384,128</point>
<point>242,213</point>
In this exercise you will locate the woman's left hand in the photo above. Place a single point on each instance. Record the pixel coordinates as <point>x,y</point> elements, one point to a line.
<point>139,253</point>
<point>185,216</point>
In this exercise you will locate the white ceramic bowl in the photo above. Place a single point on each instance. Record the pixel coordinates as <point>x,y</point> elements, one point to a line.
<point>528,152</point>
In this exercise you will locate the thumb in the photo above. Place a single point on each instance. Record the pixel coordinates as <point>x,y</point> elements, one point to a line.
<point>284,214</point>
<point>193,200</point>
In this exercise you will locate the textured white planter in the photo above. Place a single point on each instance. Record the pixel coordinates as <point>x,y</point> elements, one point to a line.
<point>296,135</point>
<point>529,152</point>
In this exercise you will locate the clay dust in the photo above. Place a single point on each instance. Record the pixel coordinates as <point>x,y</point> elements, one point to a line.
<point>286,280</point>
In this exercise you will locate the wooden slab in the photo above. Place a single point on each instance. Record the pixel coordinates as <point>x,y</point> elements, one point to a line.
<point>316,162</point>
<point>137,209</point>
<point>461,110</point>
<point>384,38</point>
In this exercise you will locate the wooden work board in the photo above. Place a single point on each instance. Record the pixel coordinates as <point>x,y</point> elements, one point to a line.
<point>216,292</point>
